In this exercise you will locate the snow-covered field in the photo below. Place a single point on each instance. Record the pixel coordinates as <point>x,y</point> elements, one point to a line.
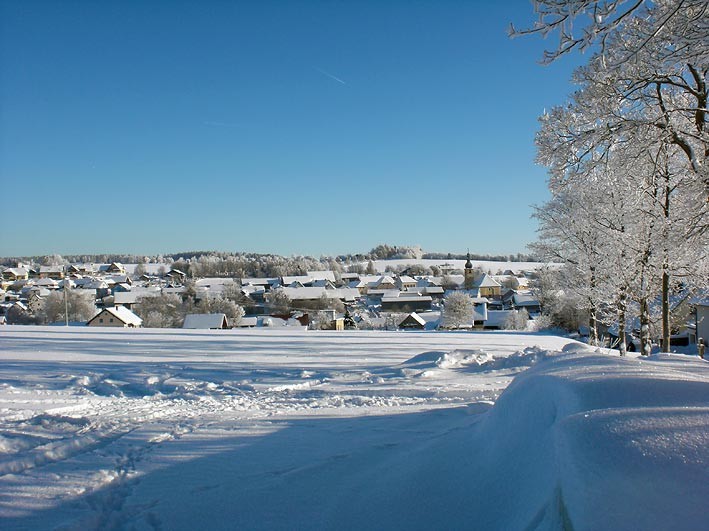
<point>294,429</point>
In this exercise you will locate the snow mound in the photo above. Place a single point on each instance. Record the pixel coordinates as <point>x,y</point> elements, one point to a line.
<point>476,360</point>
<point>575,347</point>
<point>599,434</point>
<point>447,360</point>
<point>463,358</point>
<point>579,441</point>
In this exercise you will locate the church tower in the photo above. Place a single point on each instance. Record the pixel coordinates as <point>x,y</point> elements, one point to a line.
<point>469,273</point>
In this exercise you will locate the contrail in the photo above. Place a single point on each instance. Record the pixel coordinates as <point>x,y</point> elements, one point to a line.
<point>329,75</point>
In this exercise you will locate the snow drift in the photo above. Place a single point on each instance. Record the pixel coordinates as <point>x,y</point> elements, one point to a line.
<point>579,441</point>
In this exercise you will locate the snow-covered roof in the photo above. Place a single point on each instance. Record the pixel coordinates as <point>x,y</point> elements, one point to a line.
<point>322,275</point>
<point>131,297</point>
<point>497,318</point>
<point>322,283</point>
<point>205,321</point>
<point>486,281</point>
<point>211,282</point>
<point>254,281</point>
<point>524,299</point>
<point>39,291</point>
<point>121,313</point>
<point>246,322</point>
<point>405,297</point>
<point>313,293</point>
<point>16,271</point>
<point>51,269</point>
<point>480,312</point>
<point>425,290</point>
<point>93,284</point>
<point>249,289</point>
<point>179,290</point>
<point>302,279</point>
<point>46,282</point>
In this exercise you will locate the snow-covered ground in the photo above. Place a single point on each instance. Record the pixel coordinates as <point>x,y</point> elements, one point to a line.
<point>295,429</point>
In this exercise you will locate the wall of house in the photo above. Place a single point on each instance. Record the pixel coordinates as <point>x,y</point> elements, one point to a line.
<point>106,319</point>
<point>703,323</point>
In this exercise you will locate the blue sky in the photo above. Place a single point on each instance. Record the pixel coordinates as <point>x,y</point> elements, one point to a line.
<point>294,127</point>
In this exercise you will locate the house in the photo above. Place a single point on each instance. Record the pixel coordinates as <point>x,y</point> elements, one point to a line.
<point>488,286</point>
<point>349,277</point>
<point>206,321</point>
<point>115,268</point>
<point>55,272</point>
<point>406,302</point>
<point>296,281</point>
<point>176,275</point>
<point>114,279</point>
<point>255,293</point>
<point>13,274</point>
<point>248,322</point>
<point>413,321</point>
<point>48,283</point>
<point>35,298</point>
<point>305,294</point>
<point>17,313</point>
<point>404,282</point>
<point>435,292</point>
<point>130,298</point>
<point>337,323</point>
<point>323,283</point>
<point>496,319</point>
<point>266,283</point>
<point>480,311</point>
<point>322,275</point>
<point>385,282</point>
<point>527,301</point>
<point>116,316</point>
<point>701,305</point>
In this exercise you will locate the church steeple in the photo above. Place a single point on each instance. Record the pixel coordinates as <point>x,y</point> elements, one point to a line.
<point>469,273</point>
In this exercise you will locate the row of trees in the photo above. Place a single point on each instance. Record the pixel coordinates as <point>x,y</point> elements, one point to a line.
<point>627,158</point>
<point>226,264</point>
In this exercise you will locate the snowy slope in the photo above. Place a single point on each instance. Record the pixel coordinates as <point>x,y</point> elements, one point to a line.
<point>281,429</point>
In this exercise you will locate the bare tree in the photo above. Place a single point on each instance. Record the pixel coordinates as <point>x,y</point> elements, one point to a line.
<point>457,310</point>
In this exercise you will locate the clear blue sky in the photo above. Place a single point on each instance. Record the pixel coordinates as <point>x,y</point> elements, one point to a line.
<point>294,127</point>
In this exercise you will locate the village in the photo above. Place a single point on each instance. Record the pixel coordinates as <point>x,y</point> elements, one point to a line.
<point>317,299</point>
<point>404,297</point>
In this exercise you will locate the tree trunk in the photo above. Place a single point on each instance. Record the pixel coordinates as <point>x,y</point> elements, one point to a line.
<point>593,312</point>
<point>593,326</point>
<point>665,309</point>
<point>645,342</point>
<point>666,265</point>
<point>622,307</point>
